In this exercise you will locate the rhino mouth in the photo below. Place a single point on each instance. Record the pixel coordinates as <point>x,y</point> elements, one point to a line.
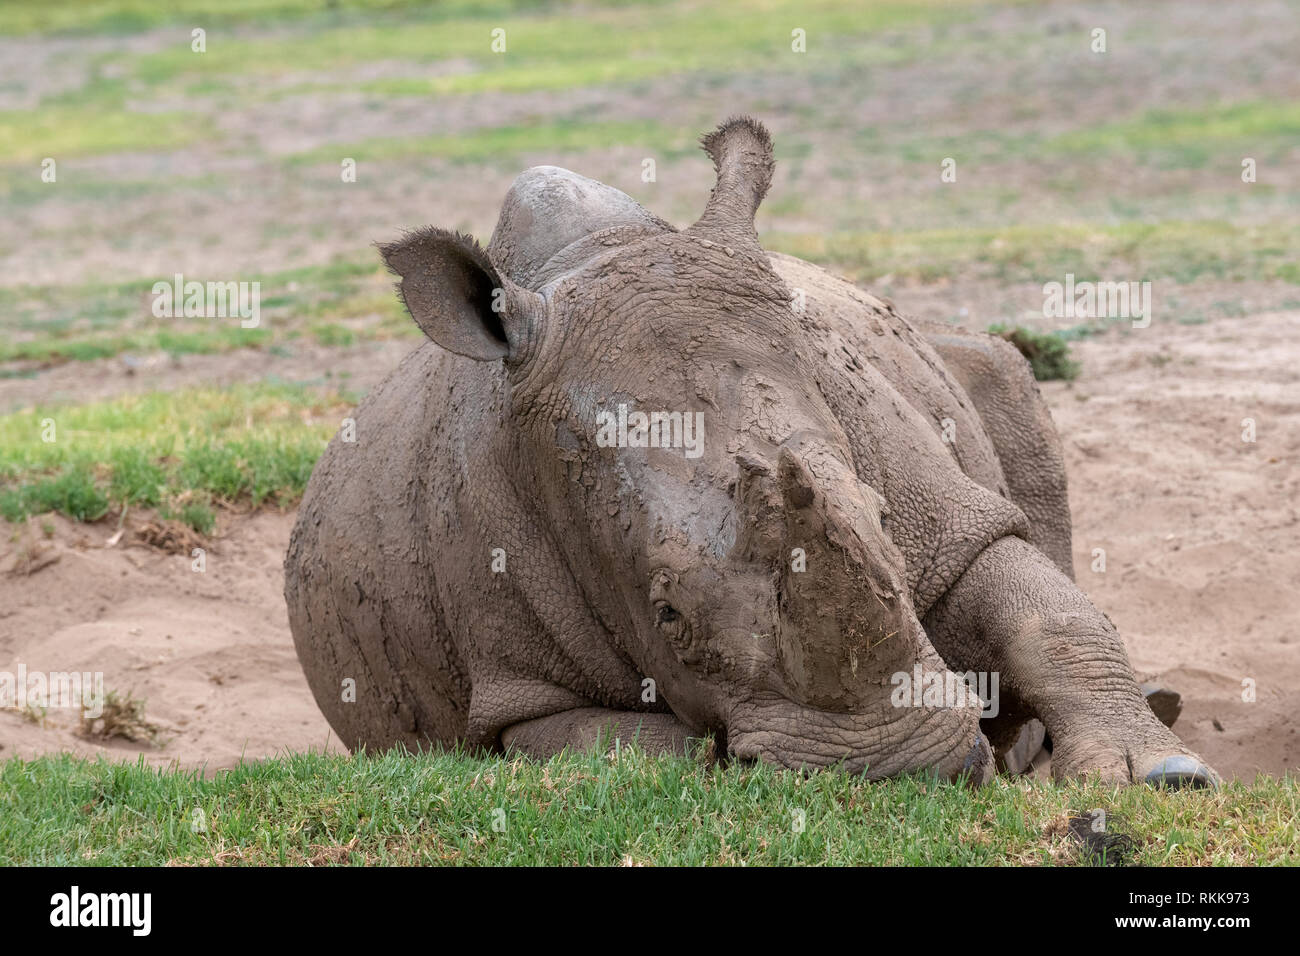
<point>945,741</point>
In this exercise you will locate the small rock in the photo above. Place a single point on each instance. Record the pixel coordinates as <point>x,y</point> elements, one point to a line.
<point>1164,703</point>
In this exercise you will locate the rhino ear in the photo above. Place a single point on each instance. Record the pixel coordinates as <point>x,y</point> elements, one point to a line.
<point>457,297</point>
<point>741,150</point>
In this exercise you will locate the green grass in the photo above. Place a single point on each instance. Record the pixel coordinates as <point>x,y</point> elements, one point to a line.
<point>1047,352</point>
<point>598,46</point>
<point>1194,134</point>
<point>450,45</point>
<point>337,304</point>
<point>505,145</point>
<point>126,16</point>
<point>89,348</point>
<point>352,300</point>
<point>180,452</point>
<point>592,809</point>
<point>59,132</point>
<point>1168,138</point>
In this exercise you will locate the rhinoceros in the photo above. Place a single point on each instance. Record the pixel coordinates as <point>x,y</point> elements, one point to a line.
<point>653,483</point>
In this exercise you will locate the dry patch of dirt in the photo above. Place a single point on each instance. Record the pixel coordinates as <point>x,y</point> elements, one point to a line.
<point>1200,529</point>
<point>209,652</point>
<point>977,303</point>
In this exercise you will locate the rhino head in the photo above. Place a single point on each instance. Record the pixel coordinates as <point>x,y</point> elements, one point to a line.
<point>666,431</point>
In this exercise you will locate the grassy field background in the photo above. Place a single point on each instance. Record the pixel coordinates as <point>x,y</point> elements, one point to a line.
<point>224,165</point>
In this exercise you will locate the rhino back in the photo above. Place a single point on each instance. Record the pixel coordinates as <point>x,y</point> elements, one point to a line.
<point>549,210</point>
<point>915,435</point>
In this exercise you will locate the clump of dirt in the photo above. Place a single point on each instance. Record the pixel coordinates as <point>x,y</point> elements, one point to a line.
<point>31,551</point>
<point>1102,838</point>
<point>1096,837</point>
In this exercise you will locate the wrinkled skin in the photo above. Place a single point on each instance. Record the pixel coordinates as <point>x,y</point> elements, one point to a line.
<point>867,498</point>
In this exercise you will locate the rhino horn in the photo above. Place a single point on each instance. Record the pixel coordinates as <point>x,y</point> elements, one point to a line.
<point>849,622</point>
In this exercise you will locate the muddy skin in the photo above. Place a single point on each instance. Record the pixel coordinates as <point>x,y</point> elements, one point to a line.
<point>865,496</point>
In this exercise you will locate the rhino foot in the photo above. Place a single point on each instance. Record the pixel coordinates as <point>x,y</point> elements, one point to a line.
<point>1147,754</point>
<point>1181,772</point>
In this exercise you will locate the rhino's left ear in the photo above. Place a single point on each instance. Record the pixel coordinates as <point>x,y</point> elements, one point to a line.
<point>458,298</point>
<point>741,150</point>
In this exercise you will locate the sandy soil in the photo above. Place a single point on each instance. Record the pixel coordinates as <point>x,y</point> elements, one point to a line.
<point>209,652</point>
<point>1199,529</point>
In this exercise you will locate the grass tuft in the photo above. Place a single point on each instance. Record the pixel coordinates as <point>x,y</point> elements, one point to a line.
<point>122,718</point>
<point>1048,353</point>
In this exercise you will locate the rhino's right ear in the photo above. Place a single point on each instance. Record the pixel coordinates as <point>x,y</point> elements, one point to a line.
<point>457,297</point>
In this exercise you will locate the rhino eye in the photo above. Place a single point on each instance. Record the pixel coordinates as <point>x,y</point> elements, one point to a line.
<point>666,614</point>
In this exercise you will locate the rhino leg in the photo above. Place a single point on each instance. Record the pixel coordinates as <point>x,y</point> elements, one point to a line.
<point>1002,388</point>
<point>1006,397</point>
<point>1014,613</point>
<point>583,728</point>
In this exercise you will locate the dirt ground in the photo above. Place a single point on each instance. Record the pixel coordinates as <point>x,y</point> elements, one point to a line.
<point>1199,531</point>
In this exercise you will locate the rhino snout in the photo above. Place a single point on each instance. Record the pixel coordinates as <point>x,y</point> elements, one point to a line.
<point>882,742</point>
